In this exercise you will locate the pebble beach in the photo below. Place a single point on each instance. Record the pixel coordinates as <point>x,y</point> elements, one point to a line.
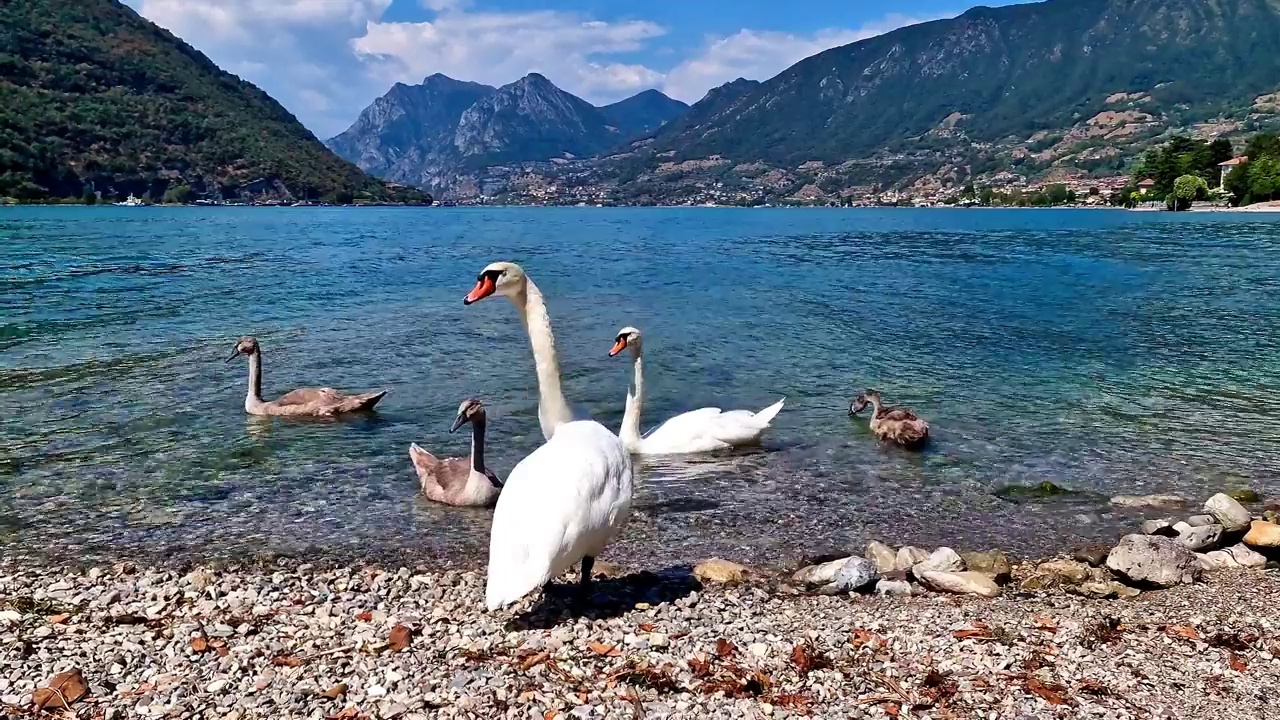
<point>1147,629</point>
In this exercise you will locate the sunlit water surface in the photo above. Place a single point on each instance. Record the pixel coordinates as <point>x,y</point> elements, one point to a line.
<point>1108,352</point>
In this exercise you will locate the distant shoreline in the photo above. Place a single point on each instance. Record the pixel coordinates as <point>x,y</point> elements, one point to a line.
<point>1271,207</point>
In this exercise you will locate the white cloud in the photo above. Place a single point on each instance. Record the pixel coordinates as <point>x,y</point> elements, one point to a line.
<point>497,48</point>
<point>761,54</point>
<point>445,5</point>
<point>298,51</point>
<point>326,60</point>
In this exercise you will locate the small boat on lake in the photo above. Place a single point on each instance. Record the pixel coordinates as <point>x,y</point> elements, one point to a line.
<point>131,201</point>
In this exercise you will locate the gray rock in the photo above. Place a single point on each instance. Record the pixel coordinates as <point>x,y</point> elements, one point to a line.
<point>1160,502</point>
<point>1230,514</point>
<point>1247,558</point>
<point>1153,560</point>
<point>894,587</point>
<point>908,556</point>
<point>882,555</point>
<point>1201,520</point>
<point>1199,539</point>
<point>820,574</point>
<point>1163,526</point>
<point>1095,555</point>
<point>1217,560</point>
<point>1070,572</point>
<point>944,559</point>
<point>961,583</point>
<point>855,574</point>
<point>992,562</point>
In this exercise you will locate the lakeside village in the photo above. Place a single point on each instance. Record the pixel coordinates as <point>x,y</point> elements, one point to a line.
<point>1182,174</point>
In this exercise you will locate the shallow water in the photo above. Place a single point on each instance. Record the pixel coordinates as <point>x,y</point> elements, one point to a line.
<point>1109,352</point>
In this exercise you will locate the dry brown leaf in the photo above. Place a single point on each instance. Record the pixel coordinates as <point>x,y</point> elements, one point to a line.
<point>336,691</point>
<point>602,649</point>
<point>647,627</point>
<point>199,644</point>
<point>364,616</point>
<point>401,638</point>
<point>532,660</point>
<point>1053,694</point>
<point>63,689</point>
<point>1185,632</point>
<point>286,661</point>
<point>350,713</point>
<point>891,710</point>
<point>974,633</point>
<point>59,618</point>
<point>807,659</point>
<point>724,648</point>
<point>221,650</point>
<point>700,665</point>
<point>550,715</point>
<point>1238,663</point>
<point>1045,624</point>
<point>859,637</point>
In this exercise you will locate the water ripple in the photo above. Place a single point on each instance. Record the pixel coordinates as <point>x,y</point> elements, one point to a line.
<point>1109,352</point>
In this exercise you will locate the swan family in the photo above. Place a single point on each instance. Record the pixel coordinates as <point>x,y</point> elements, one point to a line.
<point>564,502</point>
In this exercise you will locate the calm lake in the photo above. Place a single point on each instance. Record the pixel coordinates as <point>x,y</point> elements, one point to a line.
<point>1106,351</point>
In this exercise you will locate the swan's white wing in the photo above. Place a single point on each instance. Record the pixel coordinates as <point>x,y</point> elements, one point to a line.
<point>562,502</point>
<point>684,423</point>
<point>708,429</point>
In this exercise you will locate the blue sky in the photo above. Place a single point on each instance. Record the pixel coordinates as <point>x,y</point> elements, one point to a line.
<point>326,60</point>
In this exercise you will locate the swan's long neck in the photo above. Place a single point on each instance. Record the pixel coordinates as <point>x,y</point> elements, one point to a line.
<point>630,431</point>
<point>254,396</point>
<point>477,443</point>
<point>875,407</point>
<point>553,411</point>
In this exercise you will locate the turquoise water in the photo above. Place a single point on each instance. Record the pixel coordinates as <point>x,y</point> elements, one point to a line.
<point>1109,352</point>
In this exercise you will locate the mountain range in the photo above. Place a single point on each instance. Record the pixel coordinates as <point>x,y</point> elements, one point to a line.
<point>98,100</point>
<point>996,73</point>
<point>436,133</point>
<point>1055,89</point>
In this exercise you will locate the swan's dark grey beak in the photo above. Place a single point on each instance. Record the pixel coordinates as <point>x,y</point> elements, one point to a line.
<point>457,423</point>
<point>234,354</point>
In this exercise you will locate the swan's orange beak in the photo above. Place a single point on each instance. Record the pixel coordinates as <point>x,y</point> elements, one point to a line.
<point>618,346</point>
<point>483,289</point>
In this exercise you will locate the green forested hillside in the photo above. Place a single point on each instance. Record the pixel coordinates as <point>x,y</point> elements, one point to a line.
<point>96,98</point>
<point>997,73</point>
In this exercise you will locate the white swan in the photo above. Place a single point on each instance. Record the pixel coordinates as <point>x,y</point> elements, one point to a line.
<point>508,280</point>
<point>566,500</point>
<point>692,432</point>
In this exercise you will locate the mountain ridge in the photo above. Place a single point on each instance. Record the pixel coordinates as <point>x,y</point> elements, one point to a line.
<point>1010,70</point>
<point>100,100</point>
<point>444,136</point>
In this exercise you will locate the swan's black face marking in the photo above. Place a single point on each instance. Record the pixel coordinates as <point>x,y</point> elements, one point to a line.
<point>486,284</point>
<point>619,344</point>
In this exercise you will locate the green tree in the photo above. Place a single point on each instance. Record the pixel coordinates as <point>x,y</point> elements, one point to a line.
<point>1057,194</point>
<point>89,197</point>
<point>1187,189</point>
<point>1264,179</point>
<point>178,195</point>
<point>1262,145</point>
<point>1220,151</point>
<point>986,196</point>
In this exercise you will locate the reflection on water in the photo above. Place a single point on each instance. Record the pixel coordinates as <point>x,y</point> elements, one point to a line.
<point>1107,352</point>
